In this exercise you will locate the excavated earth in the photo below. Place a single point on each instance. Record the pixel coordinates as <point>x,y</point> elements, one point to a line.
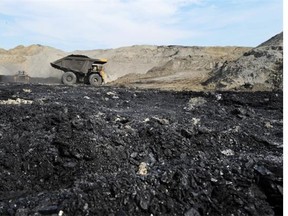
<point>78,150</point>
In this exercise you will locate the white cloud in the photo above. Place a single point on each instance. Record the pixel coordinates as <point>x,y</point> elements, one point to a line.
<point>103,22</point>
<point>90,24</point>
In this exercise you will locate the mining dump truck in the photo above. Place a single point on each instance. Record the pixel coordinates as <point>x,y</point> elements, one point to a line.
<point>81,69</point>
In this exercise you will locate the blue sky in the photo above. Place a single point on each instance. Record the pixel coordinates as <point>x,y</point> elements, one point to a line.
<point>100,24</point>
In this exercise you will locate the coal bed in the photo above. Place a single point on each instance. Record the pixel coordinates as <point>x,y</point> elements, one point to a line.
<point>82,150</point>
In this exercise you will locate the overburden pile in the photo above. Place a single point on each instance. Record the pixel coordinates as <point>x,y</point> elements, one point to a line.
<point>78,150</point>
<point>260,68</point>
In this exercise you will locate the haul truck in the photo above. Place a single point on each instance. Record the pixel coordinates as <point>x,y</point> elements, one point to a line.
<point>81,69</point>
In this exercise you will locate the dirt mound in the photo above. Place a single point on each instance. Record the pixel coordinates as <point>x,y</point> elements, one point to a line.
<point>27,51</point>
<point>112,151</point>
<point>4,71</point>
<point>34,60</point>
<point>277,40</point>
<point>158,61</point>
<point>184,70</point>
<point>258,69</point>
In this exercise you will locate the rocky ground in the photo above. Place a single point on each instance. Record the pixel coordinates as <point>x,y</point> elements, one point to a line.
<point>78,150</point>
<point>260,68</point>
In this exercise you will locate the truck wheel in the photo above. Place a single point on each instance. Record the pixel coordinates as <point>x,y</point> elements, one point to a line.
<point>95,79</point>
<point>69,78</point>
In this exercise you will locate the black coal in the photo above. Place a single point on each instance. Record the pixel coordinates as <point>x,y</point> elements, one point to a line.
<point>81,150</point>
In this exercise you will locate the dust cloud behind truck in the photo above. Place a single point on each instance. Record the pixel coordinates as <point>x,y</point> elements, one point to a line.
<point>81,69</point>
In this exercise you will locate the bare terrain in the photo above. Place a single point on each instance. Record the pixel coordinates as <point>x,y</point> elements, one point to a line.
<point>142,66</point>
<point>81,150</point>
<point>174,131</point>
<point>260,68</point>
<point>166,67</point>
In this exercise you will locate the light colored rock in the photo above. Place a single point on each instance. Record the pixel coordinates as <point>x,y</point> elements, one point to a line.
<point>195,103</point>
<point>228,152</point>
<point>268,125</point>
<point>143,169</point>
<point>17,101</point>
<point>160,120</point>
<point>27,90</point>
<point>195,121</point>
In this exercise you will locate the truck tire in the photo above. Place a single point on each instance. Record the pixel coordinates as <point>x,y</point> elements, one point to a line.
<point>95,79</point>
<point>69,78</point>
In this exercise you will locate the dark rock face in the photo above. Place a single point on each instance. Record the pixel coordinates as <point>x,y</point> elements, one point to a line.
<point>112,151</point>
<point>260,68</point>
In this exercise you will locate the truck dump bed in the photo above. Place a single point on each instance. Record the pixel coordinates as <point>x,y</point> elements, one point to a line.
<point>76,63</point>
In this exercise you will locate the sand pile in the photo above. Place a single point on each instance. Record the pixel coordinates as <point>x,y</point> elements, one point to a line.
<point>34,59</point>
